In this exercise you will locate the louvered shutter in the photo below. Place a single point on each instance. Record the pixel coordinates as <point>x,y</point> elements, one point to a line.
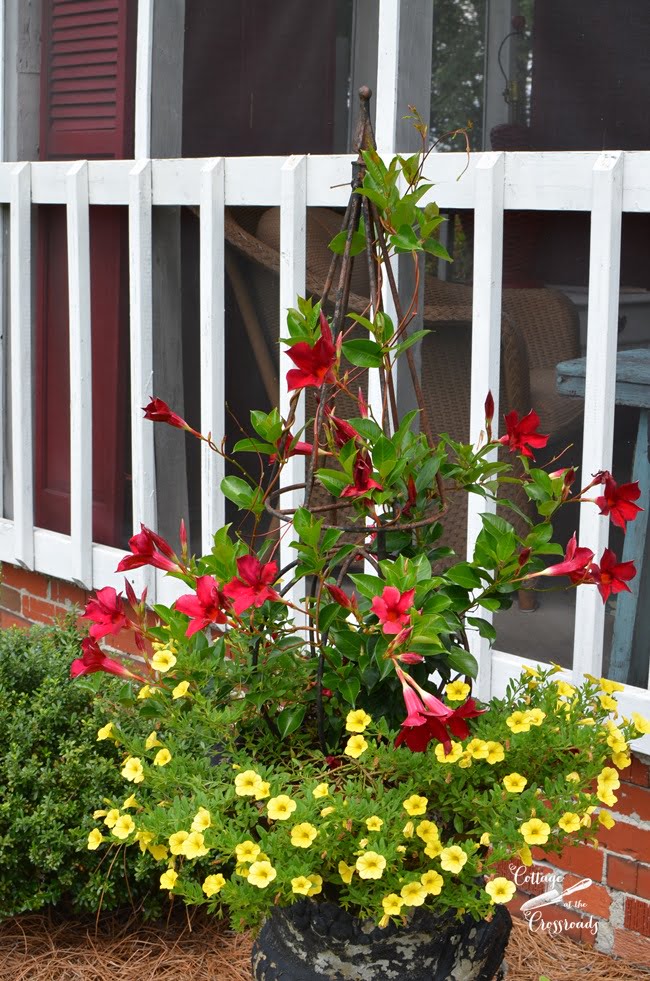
<point>88,57</point>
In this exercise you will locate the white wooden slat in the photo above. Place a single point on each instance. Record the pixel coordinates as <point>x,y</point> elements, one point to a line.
<point>81,432</point>
<point>386,107</point>
<point>7,538</point>
<point>20,278</point>
<point>600,386</point>
<point>141,336</point>
<point>486,349</point>
<point>143,70</point>
<point>328,180</point>
<point>293,227</point>
<point>212,347</point>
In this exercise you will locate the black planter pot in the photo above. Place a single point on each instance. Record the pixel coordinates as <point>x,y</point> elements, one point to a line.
<point>314,941</point>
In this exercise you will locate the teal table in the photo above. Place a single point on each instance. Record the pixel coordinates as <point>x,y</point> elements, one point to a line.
<point>631,640</point>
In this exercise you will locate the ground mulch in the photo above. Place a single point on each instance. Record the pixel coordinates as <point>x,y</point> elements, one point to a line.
<point>49,948</point>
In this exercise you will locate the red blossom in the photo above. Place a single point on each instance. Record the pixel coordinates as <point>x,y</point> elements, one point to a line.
<point>418,731</point>
<point>576,564</point>
<point>208,605</point>
<point>93,659</point>
<point>159,411</point>
<point>148,548</point>
<point>253,587</point>
<point>342,431</point>
<point>313,364</point>
<point>341,597</point>
<point>410,657</point>
<point>106,612</point>
<point>612,576</point>
<point>391,609</point>
<point>489,415</point>
<point>521,436</point>
<point>618,501</point>
<point>362,476</point>
<point>287,447</point>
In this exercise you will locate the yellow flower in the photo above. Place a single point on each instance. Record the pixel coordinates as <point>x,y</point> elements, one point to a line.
<point>202,820</point>
<point>401,849</point>
<point>242,870</point>
<point>569,821</point>
<point>322,790</point>
<point>346,872</point>
<point>453,858</point>
<point>408,830</point>
<point>606,819</point>
<point>518,722</point>
<point>525,855</point>
<point>303,834</point>
<point>357,721</point>
<point>608,703</point>
<point>247,851</point>
<point>263,791</point>
<point>531,672</point>
<point>641,725</point>
<point>111,818</point>
<point>300,885</point>
<point>181,689</point>
<point>281,808</point>
<point>500,890</point>
<point>457,691</point>
<point>606,796</point>
<point>621,760</point>
<point>427,831</point>
<point>586,722</point>
<point>194,845</point>
<point>535,831</point>
<point>495,753</point>
<point>99,814</point>
<point>573,777</point>
<point>213,884</point>
<point>434,848</point>
<point>162,757</point>
<point>168,879</point>
<point>452,756</point>
<point>132,770</point>
<point>374,823</point>
<point>145,692</point>
<point>465,761</point>
<point>144,839</point>
<point>326,811</point>
<point>608,779</point>
<point>565,689</point>
<point>370,865</point>
<point>392,904</point>
<point>432,882</point>
<point>616,740</point>
<point>163,660</point>
<point>123,826</point>
<point>611,686</point>
<point>152,740</point>
<point>362,844</point>
<point>176,842</point>
<point>355,746</point>
<point>413,894</point>
<point>478,749</point>
<point>260,874</point>
<point>159,852</point>
<point>106,732</point>
<point>247,783</point>
<point>485,839</point>
<point>514,783</point>
<point>95,838</point>
<point>316,885</point>
<point>130,802</point>
<point>536,716</point>
<point>415,805</point>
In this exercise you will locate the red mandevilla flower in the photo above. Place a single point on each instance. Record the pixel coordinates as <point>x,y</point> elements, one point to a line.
<point>618,501</point>
<point>287,447</point>
<point>342,431</point>
<point>391,609</point>
<point>612,576</point>
<point>417,732</point>
<point>94,659</point>
<point>253,587</point>
<point>148,548</point>
<point>341,597</point>
<point>314,364</point>
<point>575,565</point>
<point>106,612</point>
<point>208,605</point>
<point>521,436</point>
<point>159,411</point>
<point>362,476</point>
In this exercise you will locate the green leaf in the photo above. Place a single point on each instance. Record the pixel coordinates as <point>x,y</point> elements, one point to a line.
<point>409,342</point>
<point>363,353</point>
<point>357,244</point>
<point>405,240</point>
<point>368,586</point>
<point>253,446</point>
<point>436,248</point>
<point>464,575</point>
<point>290,719</point>
<point>384,456</point>
<point>238,491</point>
<point>332,480</point>
<point>349,689</point>
<point>484,627</point>
<point>327,616</point>
<point>375,196</point>
<point>462,661</point>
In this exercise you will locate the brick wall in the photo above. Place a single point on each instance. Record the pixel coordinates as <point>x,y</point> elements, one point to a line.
<point>615,917</point>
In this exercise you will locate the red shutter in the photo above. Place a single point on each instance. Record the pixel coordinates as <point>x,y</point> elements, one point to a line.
<point>86,112</point>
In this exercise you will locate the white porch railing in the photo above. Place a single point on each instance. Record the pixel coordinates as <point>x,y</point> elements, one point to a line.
<point>604,184</point>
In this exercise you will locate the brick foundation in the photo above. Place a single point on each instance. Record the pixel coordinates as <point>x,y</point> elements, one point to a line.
<point>615,917</point>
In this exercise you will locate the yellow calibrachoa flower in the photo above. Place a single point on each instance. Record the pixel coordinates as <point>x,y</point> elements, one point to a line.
<point>518,722</point>
<point>145,692</point>
<point>514,783</point>
<point>260,874</point>
<point>606,819</point>
<point>495,753</point>
<point>432,882</point>
<point>500,890</point>
<point>370,865</point>
<point>111,817</point>
<point>355,746</point>
<point>181,689</point>
<point>525,855</point>
<point>621,760</point>
<point>322,790</point>
<point>300,885</point>
<point>106,732</point>
<point>374,823</point>
<point>202,820</point>
<point>611,686</point>
<point>586,722</point>
<point>478,749</point>
<point>433,849</point>
<point>408,830</point>
<point>531,672</point>
<point>123,826</point>
<point>213,884</point>
<point>535,831</point>
<point>247,783</point>
<point>326,811</point>
<point>159,852</point>
<point>242,870</point>
<point>95,838</point>
<point>163,660</point>
<point>565,689</point>
<point>608,703</point>
<point>303,834</point>
<point>194,845</point>
<point>413,894</point>
<point>144,839</point>
<point>357,720</point>
<point>485,839</point>
<point>465,761</point>
<point>569,821</point>
<point>132,770</point>
<point>168,879</point>
<point>606,796</point>
<point>346,872</point>
<point>99,814</point>
<point>573,777</point>
<point>415,805</point>
<point>263,791</point>
<point>392,904</point>
<point>616,740</point>
<point>176,842</point>
<point>281,808</point>
<point>641,725</point>
<point>316,884</point>
<point>457,691</point>
<point>152,740</point>
<point>453,858</point>
<point>608,779</point>
<point>247,851</point>
<point>162,757</point>
<point>427,831</point>
<point>536,716</point>
<point>452,756</point>
<point>586,817</point>
<point>130,802</point>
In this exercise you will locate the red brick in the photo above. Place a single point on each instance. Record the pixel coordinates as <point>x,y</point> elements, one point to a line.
<point>10,599</point>
<point>31,582</point>
<point>39,611</point>
<point>632,948</point>
<point>633,799</point>
<point>643,881</point>
<point>626,839</point>
<point>67,594</point>
<point>622,874</point>
<point>11,620</point>
<point>637,916</point>
<point>124,642</point>
<point>637,773</point>
<point>581,859</point>
<point>596,899</point>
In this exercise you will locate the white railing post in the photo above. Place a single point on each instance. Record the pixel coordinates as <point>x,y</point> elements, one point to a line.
<point>143,70</point>
<point>486,351</point>
<point>212,346</point>
<point>600,388</point>
<point>20,256</point>
<point>81,402</point>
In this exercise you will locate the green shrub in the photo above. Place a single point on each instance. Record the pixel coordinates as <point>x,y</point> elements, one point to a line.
<point>53,774</point>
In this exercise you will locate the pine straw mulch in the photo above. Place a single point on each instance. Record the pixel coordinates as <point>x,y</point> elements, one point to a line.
<point>44,948</point>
